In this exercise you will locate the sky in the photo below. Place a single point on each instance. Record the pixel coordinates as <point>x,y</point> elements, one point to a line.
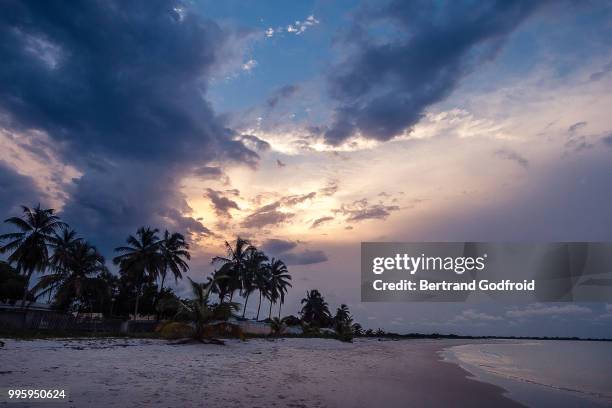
<point>309,127</point>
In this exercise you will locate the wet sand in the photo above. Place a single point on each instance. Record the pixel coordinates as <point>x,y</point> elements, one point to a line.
<point>256,373</point>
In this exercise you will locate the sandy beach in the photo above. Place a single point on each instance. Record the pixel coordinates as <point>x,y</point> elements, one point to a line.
<point>256,373</point>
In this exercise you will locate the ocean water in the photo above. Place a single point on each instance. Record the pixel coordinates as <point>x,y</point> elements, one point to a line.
<point>543,373</point>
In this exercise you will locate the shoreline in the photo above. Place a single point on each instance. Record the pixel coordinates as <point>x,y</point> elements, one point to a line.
<point>522,390</point>
<point>283,372</point>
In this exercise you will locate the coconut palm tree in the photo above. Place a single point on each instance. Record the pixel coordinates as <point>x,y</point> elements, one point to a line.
<point>82,263</point>
<point>141,259</point>
<point>201,313</point>
<point>279,282</point>
<point>342,324</point>
<point>315,310</point>
<point>234,263</point>
<point>62,246</point>
<point>254,265</point>
<point>29,247</point>
<point>174,252</point>
<point>262,284</point>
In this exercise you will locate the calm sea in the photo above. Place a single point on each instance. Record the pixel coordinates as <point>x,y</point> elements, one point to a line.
<point>543,373</point>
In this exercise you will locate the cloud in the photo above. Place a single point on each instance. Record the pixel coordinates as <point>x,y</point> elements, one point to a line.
<point>220,203</point>
<point>576,126</point>
<point>249,65</point>
<point>542,310</point>
<point>121,88</point>
<point>330,189</point>
<point>271,214</point>
<point>383,88</point>
<point>266,216</point>
<point>280,163</point>
<point>279,248</point>
<point>294,200</point>
<point>596,76</point>
<point>361,210</point>
<point>209,173</point>
<point>509,154</point>
<point>284,92</point>
<point>255,142</point>
<point>473,315</point>
<point>607,140</point>
<point>320,221</point>
<point>307,257</point>
<point>298,28</point>
<point>16,190</point>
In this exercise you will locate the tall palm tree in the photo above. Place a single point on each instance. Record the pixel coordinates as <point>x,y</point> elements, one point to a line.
<point>82,263</point>
<point>262,284</point>
<point>234,263</point>
<point>174,251</point>
<point>141,259</point>
<point>315,310</point>
<point>254,264</point>
<point>29,246</point>
<point>279,281</point>
<point>62,245</point>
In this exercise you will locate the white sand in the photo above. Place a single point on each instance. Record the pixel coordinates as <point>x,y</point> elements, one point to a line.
<point>256,373</point>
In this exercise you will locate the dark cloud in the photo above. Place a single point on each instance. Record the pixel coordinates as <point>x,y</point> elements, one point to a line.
<point>577,143</point>
<point>307,257</point>
<point>277,246</point>
<point>607,140</point>
<point>16,190</point>
<point>509,154</point>
<point>209,173</point>
<point>221,204</point>
<point>285,92</point>
<point>384,86</point>
<point>576,126</point>
<point>110,205</point>
<point>266,215</point>
<point>121,88</point>
<point>361,210</point>
<point>596,76</point>
<point>271,214</point>
<point>320,221</point>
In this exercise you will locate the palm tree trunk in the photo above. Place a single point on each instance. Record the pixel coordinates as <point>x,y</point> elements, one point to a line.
<point>25,289</point>
<point>279,309</point>
<point>270,313</point>
<point>258,306</point>
<point>161,287</point>
<point>246,300</point>
<point>138,287</point>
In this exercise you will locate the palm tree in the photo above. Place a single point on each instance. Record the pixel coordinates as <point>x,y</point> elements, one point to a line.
<point>279,281</point>
<point>174,252</point>
<point>262,284</point>
<point>342,323</point>
<point>82,264</point>
<point>62,245</point>
<point>29,246</point>
<point>315,310</point>
<point>234,264</point>
<point>201,313</point>
<point>254,265</point>
<point>141,259</point>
